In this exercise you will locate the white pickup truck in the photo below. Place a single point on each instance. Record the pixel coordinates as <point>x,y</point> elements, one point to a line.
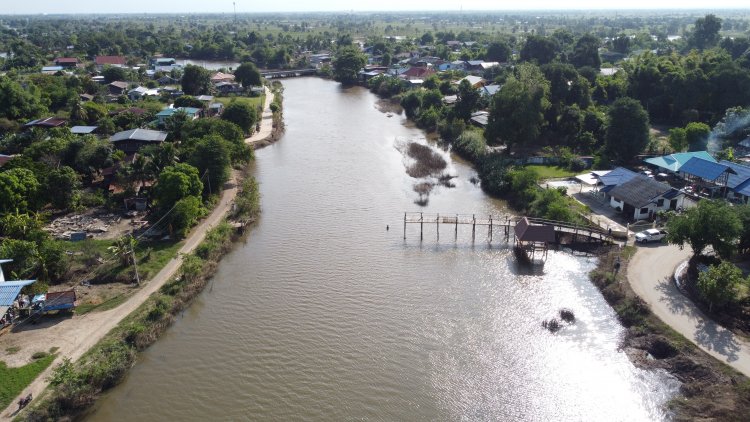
<point>650,235</point>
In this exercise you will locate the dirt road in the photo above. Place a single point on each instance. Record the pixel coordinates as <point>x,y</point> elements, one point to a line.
<point>74,336</point>
<point>650,274</point>
<point>266,122</point>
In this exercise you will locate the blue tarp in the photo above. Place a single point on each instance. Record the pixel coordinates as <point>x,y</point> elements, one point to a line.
<point>705,169</point>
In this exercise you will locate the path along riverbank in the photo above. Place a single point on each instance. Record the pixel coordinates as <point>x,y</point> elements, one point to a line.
<point>651,276</point>
<point>76,335</point>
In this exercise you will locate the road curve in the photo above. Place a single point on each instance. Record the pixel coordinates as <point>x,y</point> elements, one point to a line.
<point>651,275</point>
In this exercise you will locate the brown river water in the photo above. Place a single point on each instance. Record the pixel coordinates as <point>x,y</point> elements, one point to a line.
<point>324,315</point>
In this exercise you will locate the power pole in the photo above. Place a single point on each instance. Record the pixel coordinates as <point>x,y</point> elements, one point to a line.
<point>135,263</point>
<point>234,4</point>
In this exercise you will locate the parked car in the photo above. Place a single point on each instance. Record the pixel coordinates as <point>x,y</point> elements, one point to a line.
<point>650,235</point>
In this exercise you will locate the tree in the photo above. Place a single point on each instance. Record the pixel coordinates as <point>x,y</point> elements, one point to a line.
<point>719,284</point>
<point>517,110</point>
<point>347,65</point>
<point>19,190</point>
<point>196,80</point>
<point>710,223</point>
<point>176,182</point>
<point>497,51</point>
<point>468,97</point>
<point>248,75</point>
<point>705,33</point>
<point>678,139</point>
<point>538,49</point>
<point>114,73</point>
<point>241,114</point>
<point>188,101</point>
<point>62,188</point>
<point>621,44</point>
<point>427,38</point>
<point>16,103</point>
<point>185,214</point>
<point>696,136</point>
<point>211,157</point>
<point>627,132</point>
<point>586,52</point>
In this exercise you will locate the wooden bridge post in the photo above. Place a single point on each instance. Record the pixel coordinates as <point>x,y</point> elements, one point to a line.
<point>437,226</point>
<point>421,226</point>
<point>490,228</point>
<point>473,226</point>
<point>404,226</point>
<point>456,226</point>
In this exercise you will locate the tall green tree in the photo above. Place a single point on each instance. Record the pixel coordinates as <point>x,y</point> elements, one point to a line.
<point>705,33</point>
<point>241,114</point>
<point>586,52</point>
<point>627,131</point>
<point>176,182</point>
<point>347,64</point>
<point>696,136</point>
<point>497,51</point>
<point>211,157</point>
<point>248,75</point>
<point>719,285</point>
<point>517,111</point>
<point>538,49</point>
<point>196,80</point>
<point>19,190</point>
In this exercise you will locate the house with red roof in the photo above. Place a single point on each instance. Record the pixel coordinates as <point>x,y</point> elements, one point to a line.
<point>417,72</point>
<point>67,62</point>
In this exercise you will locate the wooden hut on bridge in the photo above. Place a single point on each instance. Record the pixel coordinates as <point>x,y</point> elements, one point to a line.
<point>533,237</point>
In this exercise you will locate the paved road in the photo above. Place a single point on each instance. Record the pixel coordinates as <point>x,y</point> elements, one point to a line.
<point>650,274</point>
<point>266,122</point>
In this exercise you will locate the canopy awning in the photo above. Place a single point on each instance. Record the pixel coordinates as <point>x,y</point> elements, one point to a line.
<point>10,289</point>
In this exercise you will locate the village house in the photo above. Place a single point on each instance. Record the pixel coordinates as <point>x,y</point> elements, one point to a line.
<point>52,70</point>
<point>116,61</point>
<point>83,130</point>
<point>66,62</point>
<point>191,112</point>
<point>117,88</point>
<point>641,197</point>
<point>672,163</point>
<point>222,77</point>
<point>226,88</point>
<point>46,123</point>
<point>131,141</point>
<point>474,81</point>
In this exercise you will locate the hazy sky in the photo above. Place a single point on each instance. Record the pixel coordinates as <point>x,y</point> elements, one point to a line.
<point>225,6</point>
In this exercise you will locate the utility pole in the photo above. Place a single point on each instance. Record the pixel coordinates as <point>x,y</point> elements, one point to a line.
<point>135,263</point>
<point>234,4</point>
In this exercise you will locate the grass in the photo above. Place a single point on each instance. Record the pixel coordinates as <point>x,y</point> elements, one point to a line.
<point>253,102</point>
<point>14,380</point>
<point>551,172</point>
<point>108,304</point>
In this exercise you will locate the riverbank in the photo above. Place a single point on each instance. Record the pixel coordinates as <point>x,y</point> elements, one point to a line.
<point>709,388</point>
<point>271,122</point>
<point>76,386</point>
<point>80,336</point>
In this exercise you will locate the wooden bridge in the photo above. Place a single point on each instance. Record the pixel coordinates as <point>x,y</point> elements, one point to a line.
<point>504,224</point>
<point>275,74</point>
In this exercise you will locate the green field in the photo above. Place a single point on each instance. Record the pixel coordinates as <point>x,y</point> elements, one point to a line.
<point>254,102</point>
<point>551,172</point>
<point>14,380</point>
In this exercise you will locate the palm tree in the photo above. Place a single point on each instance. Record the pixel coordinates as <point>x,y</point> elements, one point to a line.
<point>78,112</point>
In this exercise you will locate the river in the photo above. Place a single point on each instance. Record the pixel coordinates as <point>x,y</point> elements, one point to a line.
<point>324,315</point>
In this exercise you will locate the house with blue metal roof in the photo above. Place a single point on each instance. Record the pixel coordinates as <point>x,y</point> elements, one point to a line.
<point>738,182</point>
<point>9,290</point>
<point>706,175</point>
<point>673,162</point>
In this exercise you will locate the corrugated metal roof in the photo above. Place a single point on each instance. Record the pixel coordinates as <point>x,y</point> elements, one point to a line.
<point>10,289</point>
<point>707,170</point>
<point>741,173</point>
<point>641,191</point>
<point>743,188</point>
<point>83,130</point>
<point>526,232</point>
<point>617,176</point>
<point>146,135</point>
<point>673,162</point>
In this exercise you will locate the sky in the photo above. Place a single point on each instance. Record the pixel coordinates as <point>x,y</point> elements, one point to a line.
<point>247,6</point>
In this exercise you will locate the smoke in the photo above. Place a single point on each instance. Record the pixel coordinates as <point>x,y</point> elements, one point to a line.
<point>735,126</point>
